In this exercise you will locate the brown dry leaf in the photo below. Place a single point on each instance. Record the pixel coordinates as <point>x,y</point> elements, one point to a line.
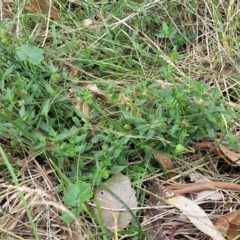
<point>151,222</point>
<point>230,155</point>
<point>97,93</point>
<point>42,7</point>
<point>229,224</point>
<point>204,145</point>
<point>165,161</point>
<point>73,72</point>
<point>232,158</point>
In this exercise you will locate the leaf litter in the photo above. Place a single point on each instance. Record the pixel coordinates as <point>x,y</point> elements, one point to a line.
<point>205,200</point>
<point>110,208</point>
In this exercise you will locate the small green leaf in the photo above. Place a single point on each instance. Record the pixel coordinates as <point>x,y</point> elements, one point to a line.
<point>165,26</point>
<point>22,112</point>
<point>46,107</point>
<point>67,217</point>
<point>77,193</point>
<point>31,53</point>
<point>116,169</point>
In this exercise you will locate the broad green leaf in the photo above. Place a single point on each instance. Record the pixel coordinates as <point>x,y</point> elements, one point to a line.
<point>77,193</point>
<point>67,217</point>
<point>31,53</point>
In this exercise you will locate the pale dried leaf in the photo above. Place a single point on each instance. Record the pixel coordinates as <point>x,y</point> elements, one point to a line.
<point>197,178</point>
<point>196,216</point>
<point>42,7</point>
<point>207,194</point>
<point>86,109</point>
<point>87,22</point>
<point>79,103</point>
<point>113,216</point>
<point>232,156</point>
<point>97,93</point>
<point>83,107</point>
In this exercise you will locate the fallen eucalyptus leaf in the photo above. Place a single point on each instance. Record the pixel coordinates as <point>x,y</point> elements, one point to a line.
<point>196,215</point>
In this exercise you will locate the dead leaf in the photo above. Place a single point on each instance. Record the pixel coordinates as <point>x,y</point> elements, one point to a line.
<point>87,22</point>
<point>79,104</point>
<point>209,195</point>
<point>232,156</point>
<point>151,222</point>
<point>42,7</point>
<point>165,161</point>
<point>206,194</point>
<point>86,109</point>
<point>229,224</point>
<point>83,107</point>
<point>73,72</point>
<point>196,215</point>
<point>114,214</point>
<point>97,93</point>
<point>204,145</point>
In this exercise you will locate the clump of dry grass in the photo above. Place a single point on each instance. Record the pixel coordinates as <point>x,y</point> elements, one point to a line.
<point>39,188</point>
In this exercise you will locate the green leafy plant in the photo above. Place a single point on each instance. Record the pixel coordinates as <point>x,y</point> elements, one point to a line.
<point>74,197</point>
<point>30,53</point>
<point>127,49</point>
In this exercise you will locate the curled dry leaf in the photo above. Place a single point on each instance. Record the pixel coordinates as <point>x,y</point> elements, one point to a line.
<point>230,155</point>
<point>196,215</point>
<point>114,214</point>
<point>83,107</point>
<point>42,7</point>
<point>97,93</point>
<point>79,103</point>
<point>229,224</point>
<point>165,161</point>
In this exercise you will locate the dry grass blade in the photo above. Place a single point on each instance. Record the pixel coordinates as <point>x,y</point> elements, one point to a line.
<point>38,187</point>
